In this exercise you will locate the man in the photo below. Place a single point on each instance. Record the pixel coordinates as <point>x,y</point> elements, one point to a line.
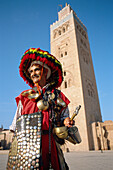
<point>39,110</point>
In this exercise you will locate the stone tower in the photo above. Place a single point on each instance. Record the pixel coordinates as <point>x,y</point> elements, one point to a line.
<point>70,44</point>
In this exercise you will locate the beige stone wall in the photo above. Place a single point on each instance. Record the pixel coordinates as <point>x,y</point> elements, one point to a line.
<point>108,126</point>
<point>90,95</point>
<point>103,135</point>
<point>6,138</point>
<point>70,44</point>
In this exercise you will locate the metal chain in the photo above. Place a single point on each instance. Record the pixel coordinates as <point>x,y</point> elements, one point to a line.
<point>50,116</point>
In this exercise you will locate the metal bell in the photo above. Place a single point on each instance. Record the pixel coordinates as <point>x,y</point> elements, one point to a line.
<point>60,102</point>
<point>42,105</point>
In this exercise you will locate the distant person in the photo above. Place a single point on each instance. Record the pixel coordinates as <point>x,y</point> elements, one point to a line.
<point>39,110</point>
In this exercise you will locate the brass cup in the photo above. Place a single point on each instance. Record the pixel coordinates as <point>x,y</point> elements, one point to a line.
<point>61,132</point>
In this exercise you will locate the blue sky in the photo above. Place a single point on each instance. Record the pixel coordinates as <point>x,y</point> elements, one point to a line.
<point>26,23</point>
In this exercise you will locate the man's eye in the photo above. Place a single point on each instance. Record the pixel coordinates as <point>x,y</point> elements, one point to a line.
<point>37,69</point>
<point>30,71</point>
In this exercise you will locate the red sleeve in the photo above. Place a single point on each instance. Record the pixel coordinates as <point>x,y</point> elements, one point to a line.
<point>17,99</point>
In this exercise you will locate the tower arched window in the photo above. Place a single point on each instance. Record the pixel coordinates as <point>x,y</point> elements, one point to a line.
<point>64,73</point>
<point>55,34</point>
<point>67,27</point>
<point>64,30</point>
<point>88,92</point>
<point>61,55</point>
<point>59,32</point>
<point>65,84</point>
<point>85,36</point>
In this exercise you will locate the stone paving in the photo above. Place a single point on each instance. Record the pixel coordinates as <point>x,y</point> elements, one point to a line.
<point>93,160</point>
<point>3,159</point>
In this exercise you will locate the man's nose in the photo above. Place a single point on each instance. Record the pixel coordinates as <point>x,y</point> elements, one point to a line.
<point>33,72</point>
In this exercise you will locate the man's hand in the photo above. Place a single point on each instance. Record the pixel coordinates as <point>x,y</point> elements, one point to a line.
<point>68,122</point>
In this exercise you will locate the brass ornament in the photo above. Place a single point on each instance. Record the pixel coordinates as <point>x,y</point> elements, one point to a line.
<point>34,96</point>
<point>60,102</point>
<point>42,105</point>
<point>31,94</point>
<point>51,96</point>
<point>27,92</point>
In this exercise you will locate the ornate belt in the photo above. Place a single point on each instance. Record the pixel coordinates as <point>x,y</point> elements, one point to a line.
<point>45,132</point>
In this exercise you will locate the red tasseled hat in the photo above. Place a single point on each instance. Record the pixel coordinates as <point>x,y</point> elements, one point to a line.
<point>36,54</point>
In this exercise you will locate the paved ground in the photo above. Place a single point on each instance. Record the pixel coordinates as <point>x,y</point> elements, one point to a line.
<point>90,160</point>
<point>78,160</point>
<point>3,159</point>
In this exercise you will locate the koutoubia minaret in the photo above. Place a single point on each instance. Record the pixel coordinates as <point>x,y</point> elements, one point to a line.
<point>70,44</point>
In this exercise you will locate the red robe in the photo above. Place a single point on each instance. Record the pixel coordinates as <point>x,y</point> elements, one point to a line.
<point>29,107</point>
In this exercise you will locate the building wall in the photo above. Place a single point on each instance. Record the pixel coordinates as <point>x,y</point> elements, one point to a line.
<point>103,135</point>
<point>108,127</point>
<point>70,44</point>
<point>5,139</point>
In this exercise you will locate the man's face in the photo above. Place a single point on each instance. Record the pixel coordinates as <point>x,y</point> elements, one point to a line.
<point>35,72</point>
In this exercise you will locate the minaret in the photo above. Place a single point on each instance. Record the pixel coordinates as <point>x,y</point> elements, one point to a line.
<point>70,44</point>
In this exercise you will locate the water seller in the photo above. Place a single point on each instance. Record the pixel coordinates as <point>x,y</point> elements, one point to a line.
<point>39,110</point>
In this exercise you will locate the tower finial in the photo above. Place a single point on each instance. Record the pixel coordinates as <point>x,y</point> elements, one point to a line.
<point>66,4</point>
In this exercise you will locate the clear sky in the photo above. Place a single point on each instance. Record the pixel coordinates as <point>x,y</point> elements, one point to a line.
<point>26,23</point>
